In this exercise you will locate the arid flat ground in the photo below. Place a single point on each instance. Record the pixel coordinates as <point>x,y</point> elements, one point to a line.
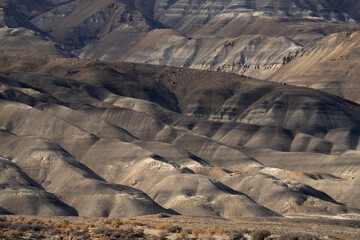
<point>164,226</point>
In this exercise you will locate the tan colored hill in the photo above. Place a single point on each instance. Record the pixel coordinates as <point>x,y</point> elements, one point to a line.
<point>78,23</point>
<point>176,13</point>
<point>19,35</point>
<point>120,139</point>
<point>31,199</point>
<point>252,37</point>
<point>29,8</point>
<point>331,66</point>
<point>251,45</point>
<point>25,41</point>
<point>246,37</point>
<point>111,139</point>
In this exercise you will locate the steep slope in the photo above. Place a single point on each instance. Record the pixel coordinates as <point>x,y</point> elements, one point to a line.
<point>28,8</point>
<point>60,173</point>
<point>24,41</point>
<point>31,199</point>
<point>331,66</point>
<point>78,23</point>
<point>11,18</point>
<point>19,35</point>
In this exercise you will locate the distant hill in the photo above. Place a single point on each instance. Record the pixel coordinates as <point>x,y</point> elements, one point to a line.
<point>19,35</point>
<point>253,38</point>
<point>331,66</point>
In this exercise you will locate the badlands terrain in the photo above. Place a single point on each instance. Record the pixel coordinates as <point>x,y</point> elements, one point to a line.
<point>223,113</point>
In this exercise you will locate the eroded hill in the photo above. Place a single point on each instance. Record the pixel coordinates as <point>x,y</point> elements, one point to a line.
<point>94,138</point>
<point>246,37</point>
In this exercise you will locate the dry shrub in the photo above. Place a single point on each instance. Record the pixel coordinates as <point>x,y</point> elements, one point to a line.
<point>21,218</point>
<point>28,221</point>
<point>77,227</point>
<point>188,230</point>
<point>198,231</point>
<point>162,226</point>
<point>38,222</point>
<point>183,235</point>
<point>47,221</point>
<point>174,229</point>
<point>19,226</point>
<point>297,236</point>
<point>115,223</point>
<point>138,232</point>
<point>236,235</point>
<point>107,221</point>
<point>211,231</point>
<point>92,224</point>
<point>116,234</point>
<point>127,229</point>
<point>85,228</point>
<point>26,227</point>
<point>61,225</point>
<point>214,230</point>
<point>55,231</point>
<point>163,215</point>
<point>205,237</point>
<point>101,229</point>
<point>13,233</point>
<point>37,227</point>
<point>162,235</point>
<point>260,234</point>
<point>131,222</point>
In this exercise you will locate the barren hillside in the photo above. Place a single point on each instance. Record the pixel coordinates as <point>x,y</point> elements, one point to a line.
<point>162,139</point>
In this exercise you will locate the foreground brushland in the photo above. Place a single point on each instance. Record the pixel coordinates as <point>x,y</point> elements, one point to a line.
<point>103,139</point>
<point>163,226</point>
